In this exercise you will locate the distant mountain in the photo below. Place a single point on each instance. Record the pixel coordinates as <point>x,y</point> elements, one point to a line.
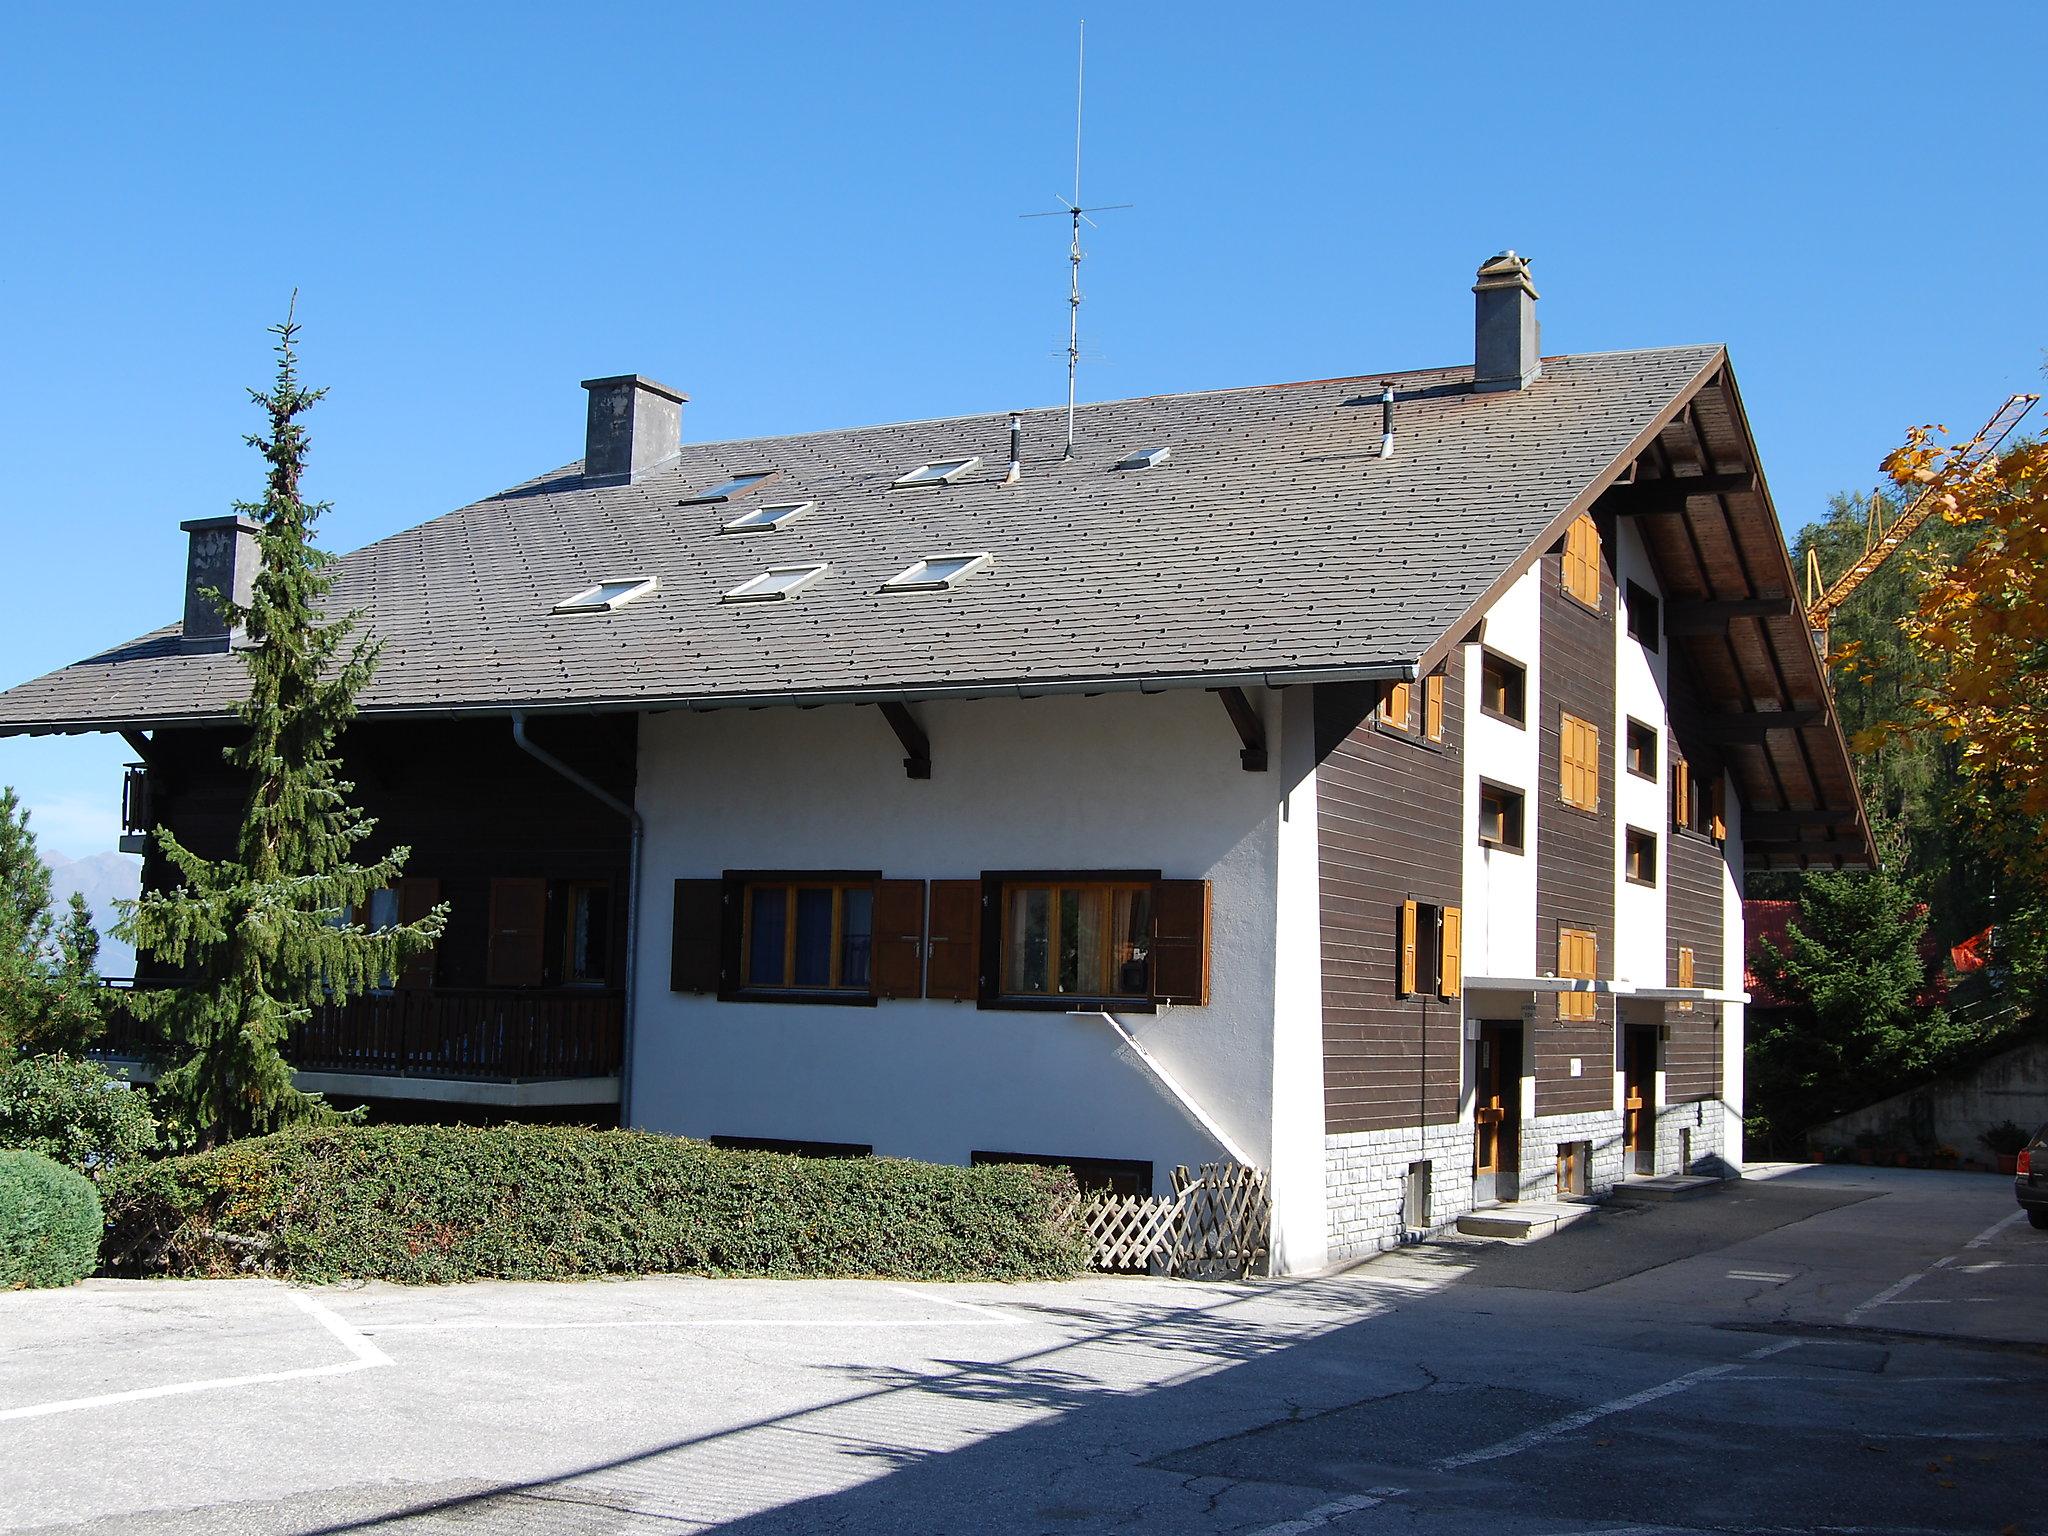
<point>102,879</point>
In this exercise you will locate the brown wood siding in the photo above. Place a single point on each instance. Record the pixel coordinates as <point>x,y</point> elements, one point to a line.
<point>1695,872</point>
<point>469,803</point>
<point>1390,823</point>
<point>1575,849</point>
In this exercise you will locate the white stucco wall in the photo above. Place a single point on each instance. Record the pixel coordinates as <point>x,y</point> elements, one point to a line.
<point>1640,692</point>
<point>1119,781</point>
<point>1500,887</point>
<point>1733,947</point>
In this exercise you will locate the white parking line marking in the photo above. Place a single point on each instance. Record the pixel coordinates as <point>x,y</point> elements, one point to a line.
<point>351,1339</point>
<point>1995,1228</point>
<point>1327,1514</point>
<point>1757,1274</point>
<point>494,1325</point>
<point>1888,1297</point>
<point>986,1313</point>
<point>1885,1297</point>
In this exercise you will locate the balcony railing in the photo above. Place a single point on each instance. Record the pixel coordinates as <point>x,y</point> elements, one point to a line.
<point>477,1034</point>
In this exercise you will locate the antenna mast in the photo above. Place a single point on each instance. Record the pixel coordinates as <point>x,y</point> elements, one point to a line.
<point>1076,215</point>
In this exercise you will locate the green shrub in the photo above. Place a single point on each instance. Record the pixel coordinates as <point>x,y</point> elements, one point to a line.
<point>50,1222</point>
<point>433,1203</point>
<point>72,1111</point>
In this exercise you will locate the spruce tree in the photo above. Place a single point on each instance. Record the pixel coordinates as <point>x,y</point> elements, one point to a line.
<point>50,995</point>
<point>262,937</point>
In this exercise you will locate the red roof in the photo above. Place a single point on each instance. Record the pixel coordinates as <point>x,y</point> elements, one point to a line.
<point>1769,919</point>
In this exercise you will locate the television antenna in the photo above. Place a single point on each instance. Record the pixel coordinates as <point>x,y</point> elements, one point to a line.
<point>1070,209</point>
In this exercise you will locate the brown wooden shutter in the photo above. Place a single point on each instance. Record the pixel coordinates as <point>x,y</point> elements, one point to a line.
<point>519,915</point>
<point>1395,707</point>
<point>1717,823</point>
<point>1681,793</point>
<point>897,969</point>
<point>695,936</point>
<point>1180,941</point>
<point>1433,706</point>
<point>1451,956</point>
<point>1407,943</point>
<point>417,896</point>
<point>953,964</point>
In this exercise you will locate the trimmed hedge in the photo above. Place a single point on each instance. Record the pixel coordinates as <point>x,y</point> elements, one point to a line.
<point>438,1203</point>
<point>50,1222</point>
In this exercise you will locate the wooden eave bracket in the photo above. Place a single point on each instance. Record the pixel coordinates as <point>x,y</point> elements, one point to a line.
<point>917,764</point>
<point>1251,730</point>
<point>1714,616</point>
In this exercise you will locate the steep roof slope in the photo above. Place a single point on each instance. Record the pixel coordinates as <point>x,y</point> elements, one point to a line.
<point>1274,543</point>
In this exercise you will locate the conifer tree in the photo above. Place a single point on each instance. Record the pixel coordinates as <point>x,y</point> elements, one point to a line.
<point>50,997</point>
<point>262,936</point>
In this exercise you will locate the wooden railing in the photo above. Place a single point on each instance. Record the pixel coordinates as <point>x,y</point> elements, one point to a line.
<point>476,1033</point>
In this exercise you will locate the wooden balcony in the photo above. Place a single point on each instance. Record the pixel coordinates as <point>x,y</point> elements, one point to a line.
<point>496,1035</point>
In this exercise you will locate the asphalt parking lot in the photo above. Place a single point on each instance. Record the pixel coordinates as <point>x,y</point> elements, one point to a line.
<point>1830,1350</point>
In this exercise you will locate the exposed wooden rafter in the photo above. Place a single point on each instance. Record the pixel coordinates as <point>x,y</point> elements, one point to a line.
<point>1251,730</point>
<point>1713,616</point>
<point>917,763</point>
<point>1643,498</point>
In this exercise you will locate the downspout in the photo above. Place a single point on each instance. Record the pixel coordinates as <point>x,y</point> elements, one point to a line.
<point>597,792</point>
<point>1172,1085</point>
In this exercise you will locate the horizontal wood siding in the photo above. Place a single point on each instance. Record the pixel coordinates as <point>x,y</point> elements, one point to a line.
<point>1389,821</point>
<point>1575,849</point>
<point>1694,883</point>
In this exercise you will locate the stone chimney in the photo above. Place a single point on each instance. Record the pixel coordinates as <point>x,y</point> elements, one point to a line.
<point>634,424</point>
<point>1504,325</point>
<point>221,557</point>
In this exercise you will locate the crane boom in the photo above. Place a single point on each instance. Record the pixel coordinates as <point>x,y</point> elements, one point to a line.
<point>1883,541</point>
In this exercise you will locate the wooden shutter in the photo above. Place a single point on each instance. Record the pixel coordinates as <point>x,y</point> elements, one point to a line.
<point>417,896</point>
<point>1681,793</point>
<point>696,936</point>
<point>1582,561</point>
<point>1578,762</point>
<point>1433,706</point>
<point>897,969</point>
<point>1450,966</point>
<point>1394,709</point>
<point>1180,941</point>
<point>1406,984</point>
<point>1717,823</point>
<point>953,950</point>
<point>519,915</point>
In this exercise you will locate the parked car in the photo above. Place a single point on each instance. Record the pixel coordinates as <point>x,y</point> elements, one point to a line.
<point>2030,1179</point>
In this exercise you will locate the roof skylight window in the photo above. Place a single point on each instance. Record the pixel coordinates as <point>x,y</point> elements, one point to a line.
<point>938,572</point>
<point>729,490</point>
<point>1145,458</point>
<point>608,595</point>
<point>770,514</point>
<point>940,472</point>
<point>776,583</point>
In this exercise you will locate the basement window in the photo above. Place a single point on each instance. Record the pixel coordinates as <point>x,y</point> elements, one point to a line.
<point>776,583</point>
<point>608,595</point>
<point>938,472</point>
<point>729,490</point>
<point>936,573</point>
<point>1145,458</point>
<point>770,514</point>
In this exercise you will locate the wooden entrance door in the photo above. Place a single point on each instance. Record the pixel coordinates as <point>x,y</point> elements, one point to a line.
<point>1639,1099</point>
<point>1497,1111</point>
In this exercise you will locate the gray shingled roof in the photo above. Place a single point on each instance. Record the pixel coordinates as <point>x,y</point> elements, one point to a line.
<point>1275,542</point>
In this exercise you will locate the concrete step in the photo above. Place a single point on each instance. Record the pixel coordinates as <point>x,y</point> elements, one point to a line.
<point>1523,1220</point>
<point>1669,1186</point>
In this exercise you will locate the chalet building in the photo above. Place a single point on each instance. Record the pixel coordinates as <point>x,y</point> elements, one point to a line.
<point>1351,777</point>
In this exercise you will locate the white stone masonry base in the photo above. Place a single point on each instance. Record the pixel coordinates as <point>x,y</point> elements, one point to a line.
<point>1366,1175</point>
<point>1693,1128</point>
<point>1543,1135</point>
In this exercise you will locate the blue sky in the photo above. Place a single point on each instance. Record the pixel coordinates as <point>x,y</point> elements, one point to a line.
<point>807,217</point>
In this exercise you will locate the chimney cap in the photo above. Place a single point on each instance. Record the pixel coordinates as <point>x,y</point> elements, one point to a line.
<point>638,381</point>
<point>1507,270</point>
<point>225,520</point>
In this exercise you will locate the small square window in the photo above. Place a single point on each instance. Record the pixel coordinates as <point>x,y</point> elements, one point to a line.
<point>936,573</point>
<point>939,472</point>
<point>1500,817</point>
<point>1643,625</point>
<point>1642,750</point>
<point>770,514</point>
<point>1641,857</point>
<point>729,490</point>
<point>1503,688</point>
<point>1145,458</point>
<point>776,583</point>
<point>607,596</point>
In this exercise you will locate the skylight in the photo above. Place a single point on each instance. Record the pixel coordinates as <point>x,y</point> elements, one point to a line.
<point>940,471</point>
<point>770,514</point>
<point>936,573</point>
<point>729,490</point>
<point>776,583</point>
<point>1145,458</point>
<point>608,595</point>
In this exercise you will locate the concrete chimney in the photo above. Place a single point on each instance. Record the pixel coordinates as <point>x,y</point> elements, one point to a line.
<point>222,557</point>
<point>634,424</point>
<point>1504,325</point>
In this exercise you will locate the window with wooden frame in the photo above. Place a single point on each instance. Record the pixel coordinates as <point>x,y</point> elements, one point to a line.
<point>1578,959</point>
<point>839,936</point>
<point>1644,623</point>
<point>1639,856</point>
<point>1500,817</point>
<point>1697,806</point>
<point>1685,975</point>
<point>1642,750</point>
<point>1503,688</point>
<point>1582,561</point>
<point>807,935</point>
<point>586,932</point>
<point>1433,706</point>
<point>1397,704</point>
<point>1578,759</point>
<point>1077,940</point>
<point>1431,956</point>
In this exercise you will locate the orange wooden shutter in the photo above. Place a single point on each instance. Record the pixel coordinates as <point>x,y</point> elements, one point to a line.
<point>1180,941</point>
<point>695,936</point>
<point>1394,709</point>
<point>417,896</point>
<point>1716,807</point>
<point>953,966</point>
<point>1681,793</point>
<point>898,968</point>
<point>519,914</point>
<point>1406,984</point>
<point>1451,957</point>
<point>1433,706</point>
